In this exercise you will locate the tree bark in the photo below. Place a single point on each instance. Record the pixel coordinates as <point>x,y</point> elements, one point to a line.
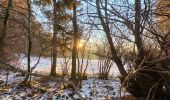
<point>74,52</point>
<point>138,39</point>
<point>54,46</point>
<point>5,23</point>
<point>29,45</point>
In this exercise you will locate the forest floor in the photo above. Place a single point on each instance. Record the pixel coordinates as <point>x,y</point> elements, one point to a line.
<point>47,89</point>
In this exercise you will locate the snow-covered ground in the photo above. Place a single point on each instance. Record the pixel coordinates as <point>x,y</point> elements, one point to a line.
<point>44,65</point>
<point>91,89</point>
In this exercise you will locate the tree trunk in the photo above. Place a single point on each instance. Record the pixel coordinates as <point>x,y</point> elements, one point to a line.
<point>54,46</point>
<point>74,52</point>
<point>146,82</point>
<point>29,45</point>
<point>5,23</point>
<point>112,48</point>
<point>138,39</point>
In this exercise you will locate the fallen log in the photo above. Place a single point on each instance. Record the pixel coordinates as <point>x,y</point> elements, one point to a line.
<point>13,68</point>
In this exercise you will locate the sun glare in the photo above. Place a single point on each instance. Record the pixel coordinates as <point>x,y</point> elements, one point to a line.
<point>80,45</point>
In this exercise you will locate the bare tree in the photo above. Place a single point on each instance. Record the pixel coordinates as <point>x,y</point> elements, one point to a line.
<point>104,68</point>
<point>29,43</point>
<point>105,25</point>
<point>137,32</point>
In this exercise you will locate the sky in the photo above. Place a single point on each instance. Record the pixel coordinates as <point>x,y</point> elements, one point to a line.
<point>97,35</point>
<point>40,17</point>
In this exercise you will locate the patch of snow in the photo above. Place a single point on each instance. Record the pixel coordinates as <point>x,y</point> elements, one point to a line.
<point>44,65</point>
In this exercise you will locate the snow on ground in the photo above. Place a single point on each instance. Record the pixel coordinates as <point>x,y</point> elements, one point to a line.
<point>45,64</point>
<point>12,77</point>
<point>97,88</point>
<point>91,89</point>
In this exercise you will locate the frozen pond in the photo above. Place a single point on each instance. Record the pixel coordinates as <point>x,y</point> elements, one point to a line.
<point>44,65</point>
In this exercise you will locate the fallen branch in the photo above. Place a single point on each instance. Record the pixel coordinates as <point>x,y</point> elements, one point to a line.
<point>13,68</point>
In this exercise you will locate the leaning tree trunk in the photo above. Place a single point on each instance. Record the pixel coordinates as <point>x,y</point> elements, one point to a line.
<point>106,28</point>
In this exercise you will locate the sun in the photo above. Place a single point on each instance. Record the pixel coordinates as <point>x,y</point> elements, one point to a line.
<point>80,45</point>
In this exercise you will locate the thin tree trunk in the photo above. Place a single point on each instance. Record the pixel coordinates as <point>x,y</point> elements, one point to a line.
<point>7,76</point>
<point>112,48</point>
<point>78,66</point>
<point>74,52</point>
<point>138,39</point>
<point>54,46</point>
<point>29,45</point>
<point>5,23</point>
